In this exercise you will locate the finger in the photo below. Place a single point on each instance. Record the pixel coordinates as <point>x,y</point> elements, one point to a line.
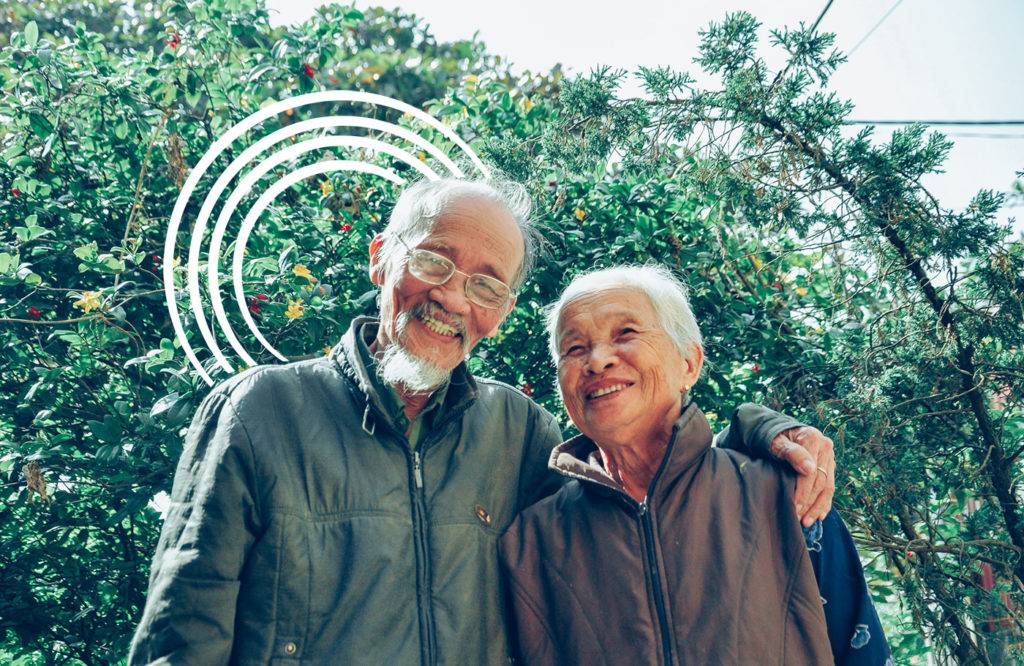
<point>822,504</point>
<point>831,490</point>
<point>799,457</point>
<point>803,462</point>
<point>801,498</point>
<point>818,491</point>
<point>826,459</point>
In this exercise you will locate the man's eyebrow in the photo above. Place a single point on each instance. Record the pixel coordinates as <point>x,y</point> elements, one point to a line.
<point>448,251</point>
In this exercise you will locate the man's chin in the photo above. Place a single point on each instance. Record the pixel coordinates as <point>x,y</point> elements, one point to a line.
<point>411,372</point>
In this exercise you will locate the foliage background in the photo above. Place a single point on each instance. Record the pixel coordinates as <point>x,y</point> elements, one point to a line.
<point>828,282</point>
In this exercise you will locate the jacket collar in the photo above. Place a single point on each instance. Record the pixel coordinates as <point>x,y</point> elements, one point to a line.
<point>579,458</point>
<point>461,393</point>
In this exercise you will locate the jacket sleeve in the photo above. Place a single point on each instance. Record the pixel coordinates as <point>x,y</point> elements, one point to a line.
<point>189,615</point>
<point>536,479</point>
<point>752,430</point>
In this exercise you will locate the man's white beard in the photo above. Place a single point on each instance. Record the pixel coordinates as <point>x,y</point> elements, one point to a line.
<point>398,367</point>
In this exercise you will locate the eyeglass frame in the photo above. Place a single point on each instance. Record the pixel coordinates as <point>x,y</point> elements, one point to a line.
<point>455,269</point>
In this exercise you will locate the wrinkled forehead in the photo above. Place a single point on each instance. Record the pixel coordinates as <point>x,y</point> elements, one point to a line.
<point>603,307</point>
<point>477,230</point>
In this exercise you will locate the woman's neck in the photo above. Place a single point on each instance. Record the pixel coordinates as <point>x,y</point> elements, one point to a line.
<point>633,467</point>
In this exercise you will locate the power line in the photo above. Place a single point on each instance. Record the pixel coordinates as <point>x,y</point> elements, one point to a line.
<point>980,135</point>
<point>874,27</point>
<point>814,26</point>
<point>999,123</point>
<point>822,15</point>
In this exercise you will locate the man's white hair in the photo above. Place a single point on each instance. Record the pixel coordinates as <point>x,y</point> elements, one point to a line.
<point>668,295</point>
<point>422,203</point>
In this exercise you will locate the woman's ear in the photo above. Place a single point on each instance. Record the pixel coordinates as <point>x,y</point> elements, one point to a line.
<point>693,362</point>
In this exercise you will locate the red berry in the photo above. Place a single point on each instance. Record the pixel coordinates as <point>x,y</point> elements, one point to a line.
<point>15,192</point>
<point>777,285</point>
<point>155,258</point>
<point>174,41</point>
<point>262,297</point>
<point>756,368</point>
<point>308,70</point>
<point>527,388</point>
<point>254,306</point>
<point>34,312</point>
<point>346,227</point>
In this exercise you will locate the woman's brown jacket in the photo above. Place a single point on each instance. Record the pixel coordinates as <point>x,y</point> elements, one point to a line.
<point>711,569</point>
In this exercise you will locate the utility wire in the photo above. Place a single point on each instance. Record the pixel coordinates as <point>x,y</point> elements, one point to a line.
<point>980,135</point>
<point>999,123</point>
<point>822,15</point>
<point>814,26</point>
<point>873,28</point>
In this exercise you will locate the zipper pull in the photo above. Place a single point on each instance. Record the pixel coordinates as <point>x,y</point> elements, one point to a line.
<point>417,469</point>
<point>643,507</point>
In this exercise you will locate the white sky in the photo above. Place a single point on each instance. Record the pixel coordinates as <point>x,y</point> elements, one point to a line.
<point>931,59</point>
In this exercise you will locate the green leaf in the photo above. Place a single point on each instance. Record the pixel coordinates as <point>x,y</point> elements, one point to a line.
<point>31,34</point>
<point>108,430</point>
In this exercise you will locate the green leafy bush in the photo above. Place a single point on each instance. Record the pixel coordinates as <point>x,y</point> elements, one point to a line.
<point>828,282</point>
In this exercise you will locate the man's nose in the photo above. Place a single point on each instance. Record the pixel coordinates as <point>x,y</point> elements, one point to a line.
<point>452,295</point>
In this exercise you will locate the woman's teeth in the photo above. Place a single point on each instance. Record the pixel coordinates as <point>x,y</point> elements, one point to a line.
<point>605,391</point>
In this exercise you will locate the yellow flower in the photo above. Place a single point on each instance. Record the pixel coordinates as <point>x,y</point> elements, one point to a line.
<point>295,309</point>
<point>801,291</point>
<point>421,156</point>
<point>326,188</point>
<point>471,79</point>
<point>303,272</point>
<point>89,301</point>
<point>327,351</point>
<point>756,260</point>
<point>580,214</point>
<point>527,103</point>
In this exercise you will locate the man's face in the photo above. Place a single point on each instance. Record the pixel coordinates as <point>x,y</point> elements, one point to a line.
<point>437,323</point>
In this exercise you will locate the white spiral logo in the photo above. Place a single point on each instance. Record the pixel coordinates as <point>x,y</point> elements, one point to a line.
<point>244,187</point>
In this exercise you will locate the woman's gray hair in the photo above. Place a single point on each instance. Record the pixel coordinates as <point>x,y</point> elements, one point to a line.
<point>422,203</point>
<point>667,293</point>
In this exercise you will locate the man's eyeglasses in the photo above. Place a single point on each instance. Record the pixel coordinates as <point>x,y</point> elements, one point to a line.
<point>433,268</point>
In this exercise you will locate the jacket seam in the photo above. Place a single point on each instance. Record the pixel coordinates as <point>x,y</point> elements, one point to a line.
<point>572,595</point>
<point>520,592</point>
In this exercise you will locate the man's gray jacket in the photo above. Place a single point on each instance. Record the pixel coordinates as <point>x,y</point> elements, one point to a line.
<point>304,529</point>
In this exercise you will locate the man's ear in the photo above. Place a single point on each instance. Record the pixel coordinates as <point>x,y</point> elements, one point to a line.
<point>376,270</point>
<point>508,308</point>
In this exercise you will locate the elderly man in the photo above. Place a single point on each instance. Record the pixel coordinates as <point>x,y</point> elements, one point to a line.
<point>663,550</point>
<point>346,509</point>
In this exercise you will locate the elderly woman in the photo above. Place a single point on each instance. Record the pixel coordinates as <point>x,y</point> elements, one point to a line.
<point>664,549</point>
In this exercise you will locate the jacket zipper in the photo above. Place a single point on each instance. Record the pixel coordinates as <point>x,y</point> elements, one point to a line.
<point>652,563</point>
<point>419,528</point>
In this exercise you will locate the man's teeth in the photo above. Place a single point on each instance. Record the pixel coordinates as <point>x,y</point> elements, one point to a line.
<point>439,327</point>
<point>605,391</point>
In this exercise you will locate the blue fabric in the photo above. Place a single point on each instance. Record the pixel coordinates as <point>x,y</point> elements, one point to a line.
<point>853,626</point>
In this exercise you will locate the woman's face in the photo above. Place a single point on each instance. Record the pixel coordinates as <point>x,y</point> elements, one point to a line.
<point>620,374</point>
